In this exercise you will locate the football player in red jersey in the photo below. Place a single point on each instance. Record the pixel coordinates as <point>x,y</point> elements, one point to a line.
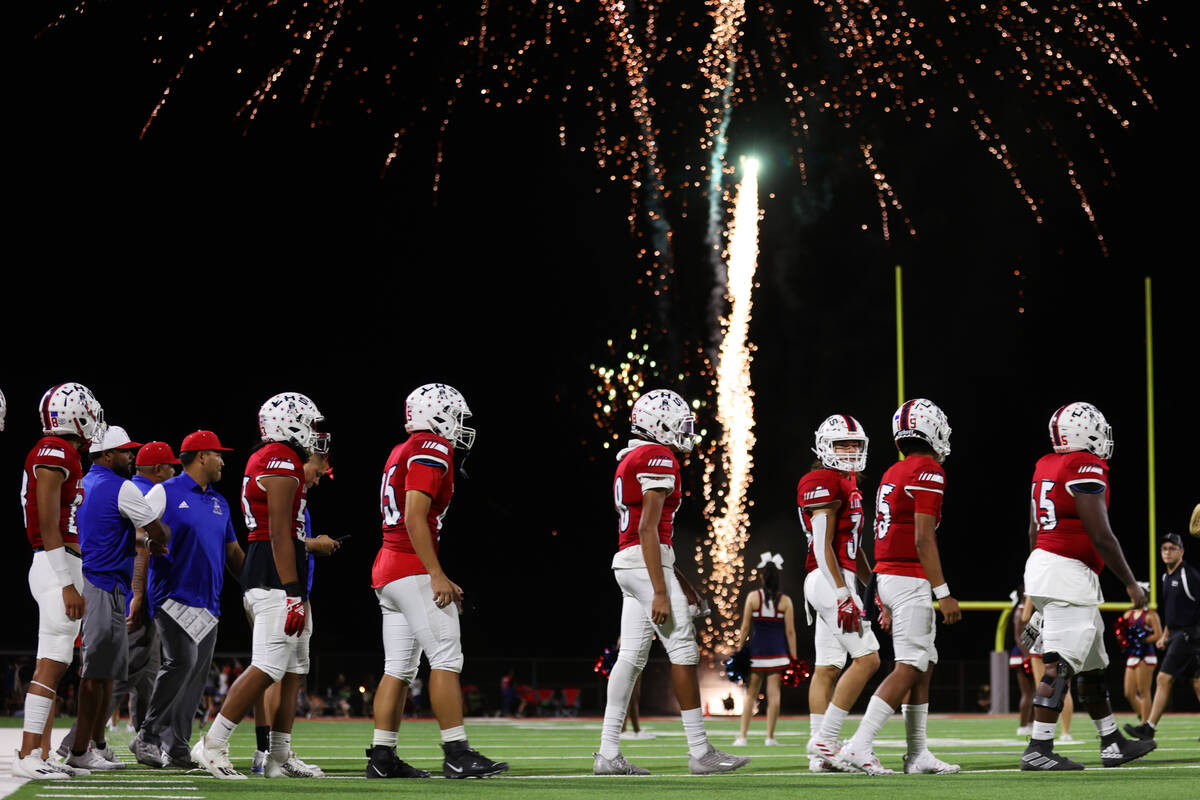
<point>419,602</point>
<point>274,581</point>
<point>1070,540</point>
<point>831,514</point>
<point>51,493</point>
<point>647,493</point>
<point>908,509</point>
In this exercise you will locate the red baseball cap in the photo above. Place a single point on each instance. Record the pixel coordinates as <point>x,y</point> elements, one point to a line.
<point>202,440</point>
<point>154,453</point>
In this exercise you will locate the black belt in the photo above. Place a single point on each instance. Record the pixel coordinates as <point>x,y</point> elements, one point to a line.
<point>69,550</point>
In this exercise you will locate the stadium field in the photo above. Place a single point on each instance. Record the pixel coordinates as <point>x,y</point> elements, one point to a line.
<point>552,758</point>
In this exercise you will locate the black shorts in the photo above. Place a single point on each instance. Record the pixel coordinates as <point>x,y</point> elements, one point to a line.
<point>258,570</point>
<point>1183,654</point>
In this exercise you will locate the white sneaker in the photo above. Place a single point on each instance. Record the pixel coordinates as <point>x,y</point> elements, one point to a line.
<point>215,761</point>
<point>316,771</point>
<point>55,763</point>
<point>627,735</point>
<point>715,761</point>
<point>739,742</point>
<point>292,768</point>
<point>850,760</point>
<point>91,760</point>
<point>1066,738</point>
<point>256,763</point>
<point>826,751</point>
<point>928,764</point>
<point>616,766</point>
<point>107,754</point>
<point>816,764</point>
<point>771,742</point>
<point>33,767</point>
<point>1025,730</point>
<point>645,733</point>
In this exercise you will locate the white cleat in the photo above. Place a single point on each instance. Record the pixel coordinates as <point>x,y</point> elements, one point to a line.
<point>107,754</point>
<point>616,765</point>
<point>292,768</point>
<point>739,742</point>
<point>825,751</point>
<point>34,768</point>
<point>257,762</point>
<point>715,761</point>
<point>849,760</point>
<point>928,764</point>
<point>816,764</point>
<point>92,761</point>
<point>771,742</point>
<point>316,771</point>
<point>215,761</point>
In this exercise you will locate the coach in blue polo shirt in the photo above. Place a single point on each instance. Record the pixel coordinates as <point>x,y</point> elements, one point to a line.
<point>185,590</point>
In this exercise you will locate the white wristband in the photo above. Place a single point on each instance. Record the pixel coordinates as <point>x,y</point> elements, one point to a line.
<point>842,593</point>
<point>941,591</point>
<point>58,562</point>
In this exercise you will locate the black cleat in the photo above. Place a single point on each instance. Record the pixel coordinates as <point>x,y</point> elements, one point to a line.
<point>384,763</point>
<point>1143,731</point>
<point>1115,750</point>
<point>1043,757</point>
<point>463,762</point>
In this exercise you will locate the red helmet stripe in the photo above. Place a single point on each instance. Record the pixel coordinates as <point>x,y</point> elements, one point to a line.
<point>907,407</point>
<point>1056,440</point>
<point>45,409</point>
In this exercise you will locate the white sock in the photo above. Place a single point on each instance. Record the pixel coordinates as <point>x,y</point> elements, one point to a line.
<point>385,738</point>
<point>37,711</point>
<point>1151,724</point>
<point>814,724</point>
<point>831,725</point>
<point>220,731</point>
<point>456,734</point>
<point>693,729</point>
<point>1043,730</point>
<point>914,727</point>
<point>281,746</point>
<point>1105,726</point>
<point>620,689</point>
<point>878,712</point>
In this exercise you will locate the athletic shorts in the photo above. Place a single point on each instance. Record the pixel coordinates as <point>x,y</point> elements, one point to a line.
<point>833,645</point>
<point>412,622</point>
<point>1075,632</point>
<point>914,624</point>
<point>56,631</point>
<point>1183,655</point>
<point>677,633</point>
<point>105,651</point>
<point>273,651</point>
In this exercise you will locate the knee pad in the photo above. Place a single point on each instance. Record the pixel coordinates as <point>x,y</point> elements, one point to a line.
<point>1058,684</point>
<point>1091,687</point>
<point>684,652</point>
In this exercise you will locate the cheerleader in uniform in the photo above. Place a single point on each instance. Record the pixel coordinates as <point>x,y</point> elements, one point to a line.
<point>1137,630</point>
<point>768,625</point>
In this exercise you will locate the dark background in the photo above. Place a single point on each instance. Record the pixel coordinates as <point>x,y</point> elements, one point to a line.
<point>188,275</point>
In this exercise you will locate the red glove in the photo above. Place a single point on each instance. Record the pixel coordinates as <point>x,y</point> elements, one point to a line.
<point>293,625</point>
<point>849,616</point>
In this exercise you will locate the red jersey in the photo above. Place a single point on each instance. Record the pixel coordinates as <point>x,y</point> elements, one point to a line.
<point>1056,479</point>
<point>424,463</point>
<point>275,458</point>
<point>915,485</point>
<point>821,487</point>
<point>641,468</point>
<point>54,453</point>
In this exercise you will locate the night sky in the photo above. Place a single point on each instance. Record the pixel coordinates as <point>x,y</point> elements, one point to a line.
<point>188,275</point>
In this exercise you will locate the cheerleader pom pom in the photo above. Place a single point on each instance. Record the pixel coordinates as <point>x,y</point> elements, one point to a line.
<point>796,673</point>
<point>605,662</point>
<point>737,666</point>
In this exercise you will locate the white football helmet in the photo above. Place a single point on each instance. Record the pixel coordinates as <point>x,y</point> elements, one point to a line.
<point>1081,426</point>
<point>71,409</point>
<point>664,417</point>
<point>841,428</point>
<point>3,410</point>
<point>289,417</point>
<point>441,409</point>
<point>922,419</point>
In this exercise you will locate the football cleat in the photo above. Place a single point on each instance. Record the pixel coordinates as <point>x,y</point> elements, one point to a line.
<point>715,761</point>
<point>928,764</point>
<point>1143,731</point>
<point>216,761</point>
<point>1117,749</point>
<point>91,760</point>
<point>34,768</point>
<point>71,772</point>
<point>1045,759</point>
<point>663,416</point>
<point>384,763</point>
<point>317,771</point>
<point>107,754</point>
<point>826,751</point>
<point>922,419</point>
<point>816,764</point>
<point>463,762</point>
<point>290,768</point>
<point>850,760</point>
<point>257,763</point>
<point>147,753</point>
<point>836,429</point>
<point>617,765</point>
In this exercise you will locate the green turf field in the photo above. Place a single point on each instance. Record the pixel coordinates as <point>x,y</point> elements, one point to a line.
<point>552,759</point>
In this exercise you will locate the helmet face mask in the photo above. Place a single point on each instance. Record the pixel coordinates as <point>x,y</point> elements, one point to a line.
<point>1081,426</point>
<point>922,419</point>
<point>70,409</point>
<point>835,430</point>
<point>439,408</point>
<point>663,416</point>
<point>290,417</point>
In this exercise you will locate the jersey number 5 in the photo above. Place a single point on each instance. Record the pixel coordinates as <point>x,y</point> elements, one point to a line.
<point>1046,517</point>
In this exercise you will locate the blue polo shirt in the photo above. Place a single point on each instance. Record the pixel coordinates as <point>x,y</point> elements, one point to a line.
<point>106,538</point>
<point>143,483</point>
<point>193,572</point>
<point>308,534</point>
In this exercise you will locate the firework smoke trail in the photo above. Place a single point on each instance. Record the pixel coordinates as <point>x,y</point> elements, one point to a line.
<point>726,508</point>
